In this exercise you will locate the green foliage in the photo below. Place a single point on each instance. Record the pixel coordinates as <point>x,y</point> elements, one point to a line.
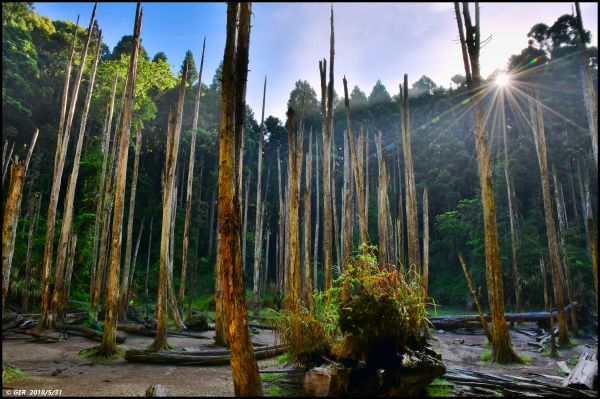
<point>438,388</point>
<point>9,373</point>
<point>486,356</point>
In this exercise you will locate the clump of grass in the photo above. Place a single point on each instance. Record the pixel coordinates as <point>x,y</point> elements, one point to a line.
<point>275,390</point>
<point>438,388</point>
<point>271,377</point>
<point>284,358</point>
<point>486,356</point>
<point>526,358</point>
<point>10,372</point>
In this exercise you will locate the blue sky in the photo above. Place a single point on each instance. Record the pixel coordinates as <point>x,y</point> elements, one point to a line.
<point>373,40</point>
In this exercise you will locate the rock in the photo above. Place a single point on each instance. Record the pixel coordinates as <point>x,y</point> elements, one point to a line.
<point>329,380</point>
<point>156,390</point>
<point>198,323</point>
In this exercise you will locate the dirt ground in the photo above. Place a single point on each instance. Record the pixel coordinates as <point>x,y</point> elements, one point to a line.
<point>57,366</point>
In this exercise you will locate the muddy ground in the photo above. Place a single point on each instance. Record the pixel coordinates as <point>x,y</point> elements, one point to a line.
<point>57,366</point>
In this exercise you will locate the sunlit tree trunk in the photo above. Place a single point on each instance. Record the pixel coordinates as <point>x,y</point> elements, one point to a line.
<point>412,222</point>
<point>46,318</point>
<point>67,222</point>
<point>125,275</point>
<point>382,195</point>
<point>563,247</point>
<point>502,351</point>
<point>294,159</point>
<point>537,124</point>
<point>246,379</point>
<point>108,346</point>
<point>326,118</point>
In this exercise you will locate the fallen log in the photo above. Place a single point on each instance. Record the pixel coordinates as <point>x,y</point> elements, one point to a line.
<point>262,326</point>
<point>584,373</point>
<point>215,352</point>
<point>87,332</point>
<point>152,333</point>
<point>43,337</point>
<point>146,356</point>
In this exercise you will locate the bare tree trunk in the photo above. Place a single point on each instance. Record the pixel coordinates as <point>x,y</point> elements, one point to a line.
<point>326,118</point>
<point>11,218</point>
<point>6,160</point>
<point>367,157</point>
<point>317,221</point>
<point>357,167</point>
<point>211,227</point>
<point>295,141</point>
<point>164,280</point>
<point>573,200</point>
<point>67,222</point>
<point>35,213</point>
<point>563,247</point>
<point>548,307</point>
<point>412,222</point>
<point>382,214</point>
<point>266,268</point>
<point>133,262</point>
<point>589,94</point>
<point>125,277</point>
<point>101,189</point>
<point>148,259</point>
<point>334,202</point>
<point>426,241</point>
<point>594,251</point>
<point>46,319</point>
<point>400,220</point>
<point>174,309</point>
<point>188,198</point>
<point>69,271</point>
<point>258,225</point>
<point>307,297</point>
<point>246,379</point>
<point>108,345</point>
<point>245,223</point>
<point>502,351</point>
<point>537,123</point>
<point>281,270</point>
<point>484,324</point>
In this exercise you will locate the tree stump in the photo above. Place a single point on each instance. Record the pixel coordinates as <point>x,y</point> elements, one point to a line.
<point>329,380</point>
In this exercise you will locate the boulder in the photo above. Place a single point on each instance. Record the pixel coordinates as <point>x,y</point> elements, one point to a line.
<point>156,391</point>
<point>328,380</point>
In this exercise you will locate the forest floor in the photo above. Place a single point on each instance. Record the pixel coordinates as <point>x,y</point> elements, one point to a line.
<point>58,366</point>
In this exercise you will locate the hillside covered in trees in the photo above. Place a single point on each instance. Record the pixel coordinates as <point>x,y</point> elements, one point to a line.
<point>139,209</point>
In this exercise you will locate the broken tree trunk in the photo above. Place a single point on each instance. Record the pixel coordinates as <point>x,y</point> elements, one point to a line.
<point>258,227</point>
<point>326,119</point>
<point>484,324</point>
<point>412,223</point>
<point>502,351</point>
<point>246,379</point>
<point>537,124</point>
<point>563,246</point>
<point>125,275</point>
<point>584,373</point>
<point>61,151</point>
<point>108,345</point>
<point>188,197</point>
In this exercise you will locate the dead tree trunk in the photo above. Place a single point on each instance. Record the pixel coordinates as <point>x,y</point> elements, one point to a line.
<point>426,241</point>
<point>100,195</point>
<point>211,227</point>
<point>589,93</point>
<point>484,324</point>
<point>336,226</point>
<point>548,308</point>
<point>317,220</point>
<point>594,251</point>
<point>258,227</point>
<point>307,296</point>
<point>148,260</point>
<point>108,346</point>
<point>69,271</point>
<point>537,124</point>
<point>326,118</point>
<point>246,379</point>
<point>46,319</point>
<point>511,213</point>
<point>190,179</point>
<point>125,277</point>
<point>67,222</point>
<point>357,166</point>
<point>502,351</point>
<point>295,140</point>
<point>412,222</point>
<point>382,195</point>
<point>11,218</point>
<point>563,247</point>
<point>281,223</point>
<point>174,309</point>
<point>6,160</point>
<point>400,221</point>
<point>245,222</point>
<point>35,213</point>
